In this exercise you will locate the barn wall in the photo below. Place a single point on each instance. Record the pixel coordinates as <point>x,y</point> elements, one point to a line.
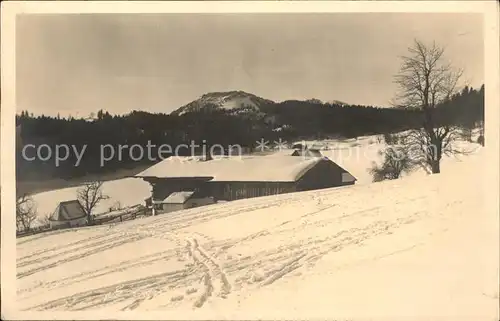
<point>325,174</point>
<point>167,208</point>
<point>79,222</point>
<point>67,224</point>
<point>195,202</point>
<point>229,191</point>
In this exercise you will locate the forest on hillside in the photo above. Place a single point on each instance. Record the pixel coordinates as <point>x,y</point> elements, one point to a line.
<point>288,120</point>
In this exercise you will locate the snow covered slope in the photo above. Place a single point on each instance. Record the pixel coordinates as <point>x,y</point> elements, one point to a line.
<point>419,247</point>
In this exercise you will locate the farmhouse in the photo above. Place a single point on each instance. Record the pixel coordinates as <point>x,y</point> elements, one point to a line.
<point>68,214</point>
<point>230,178</point>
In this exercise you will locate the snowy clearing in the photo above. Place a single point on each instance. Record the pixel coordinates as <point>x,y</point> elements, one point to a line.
<point>422,246</point>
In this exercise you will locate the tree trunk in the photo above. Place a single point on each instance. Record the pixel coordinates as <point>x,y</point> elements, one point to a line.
<point>436,153</point>
<point>435,166</point>
<point>89,219</point>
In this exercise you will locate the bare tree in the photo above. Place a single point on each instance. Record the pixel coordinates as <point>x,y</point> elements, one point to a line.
<point>89,195</point>
<point>26,213</point>
<point>426,80</point>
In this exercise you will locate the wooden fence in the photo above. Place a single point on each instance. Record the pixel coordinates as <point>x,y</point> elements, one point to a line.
<point>125,216</point>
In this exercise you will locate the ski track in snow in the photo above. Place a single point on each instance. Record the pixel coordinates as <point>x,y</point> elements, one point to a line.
<point>211,275</point>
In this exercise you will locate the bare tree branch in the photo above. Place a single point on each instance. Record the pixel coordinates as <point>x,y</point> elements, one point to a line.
<point>426,80</point>
<point>26,213</point>
<point>89,196</point>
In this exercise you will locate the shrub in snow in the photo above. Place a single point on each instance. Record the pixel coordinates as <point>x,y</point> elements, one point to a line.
<point>177,298</point>
<point>191,291</point>
<point>396,161</point>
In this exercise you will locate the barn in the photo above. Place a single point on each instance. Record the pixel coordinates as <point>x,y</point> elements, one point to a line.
<point>230,178</point>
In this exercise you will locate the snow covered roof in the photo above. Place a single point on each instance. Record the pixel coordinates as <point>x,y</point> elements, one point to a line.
<point>276,168</point>
<point>178,197</point>
<point>67,211</point>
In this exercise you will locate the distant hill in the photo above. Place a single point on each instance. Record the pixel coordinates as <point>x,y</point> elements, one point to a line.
<point>234,101</point>
<point>335,102</point>
<point>327,103</point>
<point>239,102</point>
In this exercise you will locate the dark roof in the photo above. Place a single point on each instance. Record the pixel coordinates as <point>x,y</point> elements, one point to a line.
<point>67,211</point>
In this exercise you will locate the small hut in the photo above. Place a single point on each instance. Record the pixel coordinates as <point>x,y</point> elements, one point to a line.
<point>68,214</point>
<point>177,201</point>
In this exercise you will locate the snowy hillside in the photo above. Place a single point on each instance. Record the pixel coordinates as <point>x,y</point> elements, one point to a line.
<point>335,102</point>
<point>357,154</point>
<point>424,246</point>
<point>231,100</point>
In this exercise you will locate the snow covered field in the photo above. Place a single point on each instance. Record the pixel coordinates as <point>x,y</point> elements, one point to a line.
<point>422,246</point>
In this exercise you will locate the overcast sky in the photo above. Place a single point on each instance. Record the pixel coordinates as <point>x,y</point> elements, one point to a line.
<point>77,64</point>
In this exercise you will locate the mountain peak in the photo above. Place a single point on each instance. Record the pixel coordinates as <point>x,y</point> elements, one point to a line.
<point>226,93</point>
<point>235,100</point>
